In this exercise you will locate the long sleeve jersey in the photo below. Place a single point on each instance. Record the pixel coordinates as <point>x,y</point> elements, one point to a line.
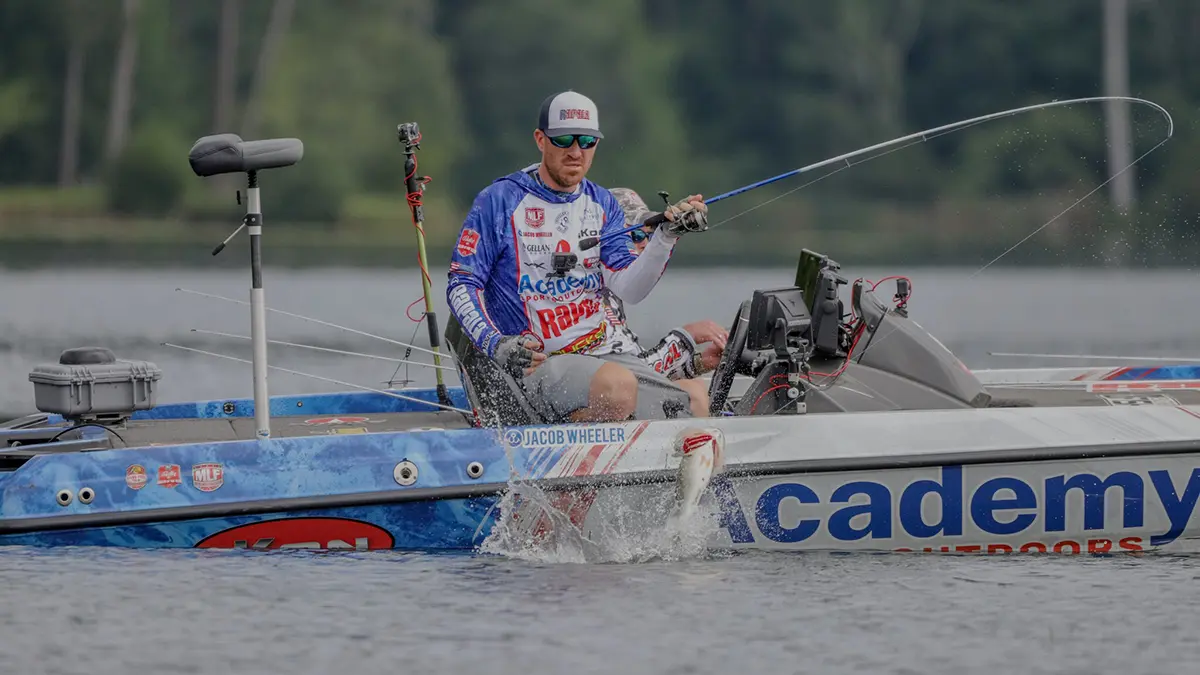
<point>499,278</point>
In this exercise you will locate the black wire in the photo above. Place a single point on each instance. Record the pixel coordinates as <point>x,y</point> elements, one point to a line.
<point>87,424</point>
<point>407,353</point>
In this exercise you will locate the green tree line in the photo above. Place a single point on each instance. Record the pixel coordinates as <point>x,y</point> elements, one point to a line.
<point>100,100</point>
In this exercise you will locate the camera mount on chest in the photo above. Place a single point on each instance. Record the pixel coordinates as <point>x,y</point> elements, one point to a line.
<point>562,262</point>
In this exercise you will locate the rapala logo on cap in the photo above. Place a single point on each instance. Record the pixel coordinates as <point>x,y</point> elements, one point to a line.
<point>169,476</point>
<point>574,114</point>
<point>208,477</point>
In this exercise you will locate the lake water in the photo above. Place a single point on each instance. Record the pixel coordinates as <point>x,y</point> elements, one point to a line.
<point>102,611</point>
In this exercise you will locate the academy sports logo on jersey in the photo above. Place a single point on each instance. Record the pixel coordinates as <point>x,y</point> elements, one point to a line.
<point>535,216</point>
<point>557,287</point>
<point>467,242</point>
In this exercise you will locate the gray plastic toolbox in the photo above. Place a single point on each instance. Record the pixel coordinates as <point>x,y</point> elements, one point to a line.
<point>91,381</point>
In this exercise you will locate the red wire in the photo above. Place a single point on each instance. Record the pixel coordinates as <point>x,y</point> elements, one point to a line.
<point>763,395</point>
<point>414,201</point>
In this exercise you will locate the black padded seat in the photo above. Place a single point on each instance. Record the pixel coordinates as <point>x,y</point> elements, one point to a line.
<point>493,392</point>
<point>228,153</point>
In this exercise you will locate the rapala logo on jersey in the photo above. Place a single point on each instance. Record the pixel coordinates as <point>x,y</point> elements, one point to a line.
<point>557,320</point>
<point>312,533</point>
<point>467,242</point>
<point>948,511</point>
<point>559,285</point>
<point>535,216</point>
<point>472,321</point>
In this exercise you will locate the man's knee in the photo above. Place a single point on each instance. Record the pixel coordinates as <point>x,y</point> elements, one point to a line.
<point>614,389</point>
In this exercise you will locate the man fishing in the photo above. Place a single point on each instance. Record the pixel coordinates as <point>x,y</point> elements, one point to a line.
<point>678,355</point>
<point>525,303</point>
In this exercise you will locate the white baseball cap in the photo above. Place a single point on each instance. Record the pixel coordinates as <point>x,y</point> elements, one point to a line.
<point>569,112</point>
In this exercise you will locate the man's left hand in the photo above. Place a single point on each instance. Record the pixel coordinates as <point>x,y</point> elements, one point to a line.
<point>688,215</point>
<point>707,331</point>
<point>711,356</point>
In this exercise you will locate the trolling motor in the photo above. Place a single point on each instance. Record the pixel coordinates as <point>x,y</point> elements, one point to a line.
<point>228,153</point>
<point>409,135</point>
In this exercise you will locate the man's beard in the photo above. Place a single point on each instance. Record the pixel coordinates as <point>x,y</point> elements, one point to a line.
<point>559,176</point>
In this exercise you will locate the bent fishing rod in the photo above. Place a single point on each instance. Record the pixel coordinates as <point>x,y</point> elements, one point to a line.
<point>920,136</point>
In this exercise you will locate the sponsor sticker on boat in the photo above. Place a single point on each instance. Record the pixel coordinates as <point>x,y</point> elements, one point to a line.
<point>169,476</point>
<point>310,533</point>
<point>551,436</point>
<point>1138,399</point>
<point>208,476</point>
<point>135,477</point>
<point>323,421</point>
<point>1052,507</point>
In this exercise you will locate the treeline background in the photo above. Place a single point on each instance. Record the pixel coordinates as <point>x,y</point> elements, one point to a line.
<point>101,99</point>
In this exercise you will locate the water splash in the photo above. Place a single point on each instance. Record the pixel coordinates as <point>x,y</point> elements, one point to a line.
<point>611,524</point>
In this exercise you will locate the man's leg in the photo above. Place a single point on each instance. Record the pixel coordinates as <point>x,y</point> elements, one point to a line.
<point>698,392</point>
<point>612,395</point>
<point>582,388</point>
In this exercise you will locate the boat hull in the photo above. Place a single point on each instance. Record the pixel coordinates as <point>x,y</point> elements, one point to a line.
<point>1101,479</point>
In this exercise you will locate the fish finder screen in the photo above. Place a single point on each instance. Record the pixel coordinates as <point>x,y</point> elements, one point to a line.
<point>807,273</point>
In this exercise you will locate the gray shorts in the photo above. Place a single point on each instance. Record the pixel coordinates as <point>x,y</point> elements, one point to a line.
<point>562,384</point>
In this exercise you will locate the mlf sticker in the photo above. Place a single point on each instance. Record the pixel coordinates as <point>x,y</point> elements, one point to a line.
<point>135,477</point>
<point>169,476</point>
<point>467,242</point>
<point>208,476</point>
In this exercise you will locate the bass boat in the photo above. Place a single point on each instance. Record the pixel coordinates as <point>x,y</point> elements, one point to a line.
<point>835,424</point>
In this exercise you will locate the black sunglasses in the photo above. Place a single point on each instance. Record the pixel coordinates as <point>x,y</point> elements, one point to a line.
<point>638,236</point>
<point>565,141</point>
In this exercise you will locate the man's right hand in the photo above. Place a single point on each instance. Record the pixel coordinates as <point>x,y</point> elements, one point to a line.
<point>516,355</point>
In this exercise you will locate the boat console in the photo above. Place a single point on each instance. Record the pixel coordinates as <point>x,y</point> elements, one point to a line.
<point>805,356</point>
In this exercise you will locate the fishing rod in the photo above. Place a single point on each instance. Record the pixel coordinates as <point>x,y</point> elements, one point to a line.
<point>920,136</point>
<point>410,137</point>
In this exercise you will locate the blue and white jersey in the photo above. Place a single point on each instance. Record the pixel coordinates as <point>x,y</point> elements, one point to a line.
<point>499,281</point>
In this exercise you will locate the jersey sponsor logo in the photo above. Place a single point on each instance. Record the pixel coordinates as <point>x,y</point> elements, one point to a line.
<point>535,216</point>
<point>559,319</point>
<point>472,320</point>
<point>527,233</point>
<point>538,249</point>
<point>588,342</point>
<point>562,222</point>
<point>564,246</point>
<point>527,285</point>
<point>589,231</point>
<point>467,242</point>
<point>664,363</point>
<point>591,216</point>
